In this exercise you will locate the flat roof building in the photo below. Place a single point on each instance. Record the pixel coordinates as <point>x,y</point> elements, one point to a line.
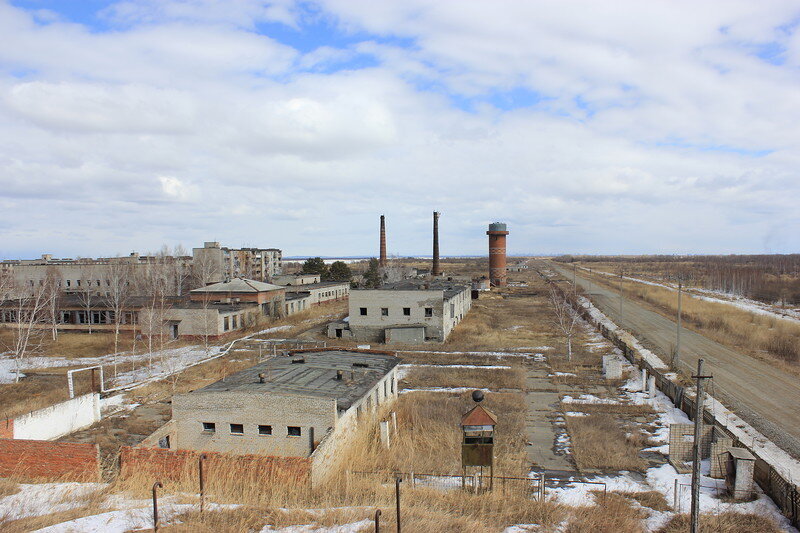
<point>410,311</point>
<point>285,406</point>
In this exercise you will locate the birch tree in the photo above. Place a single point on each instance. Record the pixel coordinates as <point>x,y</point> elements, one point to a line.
<point>565,317</point>
<point>118,298</point>
<point>28,317</point>
<point>53,293</point>
<point>87,293</point>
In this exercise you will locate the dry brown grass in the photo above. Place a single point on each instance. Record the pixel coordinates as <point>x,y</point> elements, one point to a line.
<point>492,378</point>
<point>612,513</point>
<point>728,522</point>
<point>651,499</point>
<point>764,337</point>
<point>600,443</point>
<point>8,487</point>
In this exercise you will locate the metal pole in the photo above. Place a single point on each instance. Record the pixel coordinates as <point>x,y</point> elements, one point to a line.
<point>677,360</point>
<point>202,481</point>
<point>397,482</point>
<point>698,425</point>
<point>377,520</point>
<point>157,485</point>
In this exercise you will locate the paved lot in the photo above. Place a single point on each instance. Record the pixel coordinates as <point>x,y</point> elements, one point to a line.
<point>761,394</point>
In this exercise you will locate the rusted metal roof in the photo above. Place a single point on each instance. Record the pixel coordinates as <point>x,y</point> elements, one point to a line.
<point>479,416</point>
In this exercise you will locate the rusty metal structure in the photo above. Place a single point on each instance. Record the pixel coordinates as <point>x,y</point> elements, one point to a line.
<point>436,270</point>
<point>477,444</point>
<point>382,260</point>
<point>497,254</point>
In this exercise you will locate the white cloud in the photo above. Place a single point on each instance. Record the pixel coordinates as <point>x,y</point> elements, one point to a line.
<point>659,129</point>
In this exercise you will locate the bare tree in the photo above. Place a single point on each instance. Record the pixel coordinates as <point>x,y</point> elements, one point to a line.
<point>118,296</point>
<point>565,317</point>
<point>204,271</point>
<point>87,292</point>
<point>27,313</point>
<point>53,293</point>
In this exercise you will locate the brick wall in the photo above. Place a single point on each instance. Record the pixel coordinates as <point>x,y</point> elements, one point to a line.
<point>41,459</point>
<point>163,464</point>
<point>7,429</point>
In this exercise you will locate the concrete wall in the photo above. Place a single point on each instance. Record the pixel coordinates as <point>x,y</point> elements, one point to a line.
<point>324,458</point>
<point>408,335</point>
<point>60,419</point>
<point>37,459</point>
<point>445,314</point>
<point>251,409</point>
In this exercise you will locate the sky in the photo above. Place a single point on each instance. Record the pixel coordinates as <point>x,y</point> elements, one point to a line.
<point>620,127</point>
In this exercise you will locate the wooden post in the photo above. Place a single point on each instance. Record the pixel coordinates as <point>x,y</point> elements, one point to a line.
<point>202,481</point>
<point>698,425</point>
<point>397,499</point>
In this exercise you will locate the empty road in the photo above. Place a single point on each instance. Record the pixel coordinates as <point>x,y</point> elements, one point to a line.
<point>761,394</point>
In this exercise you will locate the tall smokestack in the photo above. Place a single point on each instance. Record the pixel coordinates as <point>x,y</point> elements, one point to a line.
<point>497,254</point>
<point>436,270</point>
<point>382,260</point>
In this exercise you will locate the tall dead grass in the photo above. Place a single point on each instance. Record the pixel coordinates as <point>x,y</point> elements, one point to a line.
<point>763,336</point>
<point>727,522</point>
<point>611,513</point>
<point>599,443</point>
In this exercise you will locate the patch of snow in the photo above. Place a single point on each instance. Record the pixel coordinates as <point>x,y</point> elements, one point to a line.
<point>588,398</point>
<point>353,527</point>
<point>44,498</point>
<point>576,413</point>
<point>562,374</point>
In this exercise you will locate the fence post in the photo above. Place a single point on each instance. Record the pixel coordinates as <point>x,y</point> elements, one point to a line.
<point>157,485</point>
<point>200,465</point>
<point>377,520</point>
<point>397,482</point>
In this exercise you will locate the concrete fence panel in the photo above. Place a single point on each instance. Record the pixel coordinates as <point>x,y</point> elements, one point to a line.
<point>58,420</point>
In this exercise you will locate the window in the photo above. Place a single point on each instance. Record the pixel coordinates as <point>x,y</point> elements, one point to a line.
<point>234,320</point>
<point>264,430</point>
<point>384,311</point>
<point>363,311</point>
<point>406,311</point>
<point>209,427</point>
<point>293,431</point>
<point>237,429</point>
<point>68,283</point>
<point>429,312</point>
<point>452,310</point>
<point>226,324</point>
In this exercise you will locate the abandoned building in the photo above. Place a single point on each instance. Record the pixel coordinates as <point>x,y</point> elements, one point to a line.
<point>411,311</point>
<point>296,279</point>
<point>212,311</point>
<point>286,406</point>
<point>218,263</point>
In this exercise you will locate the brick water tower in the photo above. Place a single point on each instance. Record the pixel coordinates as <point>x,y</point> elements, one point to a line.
<point>497,254</point>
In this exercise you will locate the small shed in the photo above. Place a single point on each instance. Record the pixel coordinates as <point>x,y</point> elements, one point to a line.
<point>739,466</point>
<point>477,444</point>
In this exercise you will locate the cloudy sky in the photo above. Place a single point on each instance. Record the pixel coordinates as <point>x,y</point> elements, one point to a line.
<point>589,127</point>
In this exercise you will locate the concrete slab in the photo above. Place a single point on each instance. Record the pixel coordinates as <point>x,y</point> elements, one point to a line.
<point>542,398</point>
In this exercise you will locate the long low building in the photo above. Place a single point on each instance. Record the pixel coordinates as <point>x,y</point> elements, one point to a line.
<point>409,311</point>
<point>283,407</point>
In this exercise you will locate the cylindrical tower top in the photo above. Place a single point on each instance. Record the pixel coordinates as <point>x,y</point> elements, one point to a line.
<point>498,226</point>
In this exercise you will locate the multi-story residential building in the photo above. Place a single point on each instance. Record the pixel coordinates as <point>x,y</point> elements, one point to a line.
<point>213,263</point>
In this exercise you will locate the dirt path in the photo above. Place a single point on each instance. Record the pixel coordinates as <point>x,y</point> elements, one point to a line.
<point>763,395</point>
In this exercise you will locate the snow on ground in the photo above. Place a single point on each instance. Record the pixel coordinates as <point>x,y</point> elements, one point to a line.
<point>353,527</point>
<point>403,370</point>
<point>587,398</point>
<point>44,498</point>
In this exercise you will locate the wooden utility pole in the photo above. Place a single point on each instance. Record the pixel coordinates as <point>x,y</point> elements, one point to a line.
<point>676,360</point>
<point>621,274</point>
<point>698,427</point>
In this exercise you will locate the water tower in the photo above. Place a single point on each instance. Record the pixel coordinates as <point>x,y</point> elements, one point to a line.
<point>477,444</point>
<point>497,254</point>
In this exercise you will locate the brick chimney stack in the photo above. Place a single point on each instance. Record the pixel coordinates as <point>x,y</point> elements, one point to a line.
<point>436,269</point>
<point>382,260</point>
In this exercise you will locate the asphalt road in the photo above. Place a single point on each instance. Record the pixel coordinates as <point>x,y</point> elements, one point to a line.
<point>761,394</point>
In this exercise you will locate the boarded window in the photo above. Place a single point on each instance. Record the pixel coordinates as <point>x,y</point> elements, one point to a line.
<point>293,431</point>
